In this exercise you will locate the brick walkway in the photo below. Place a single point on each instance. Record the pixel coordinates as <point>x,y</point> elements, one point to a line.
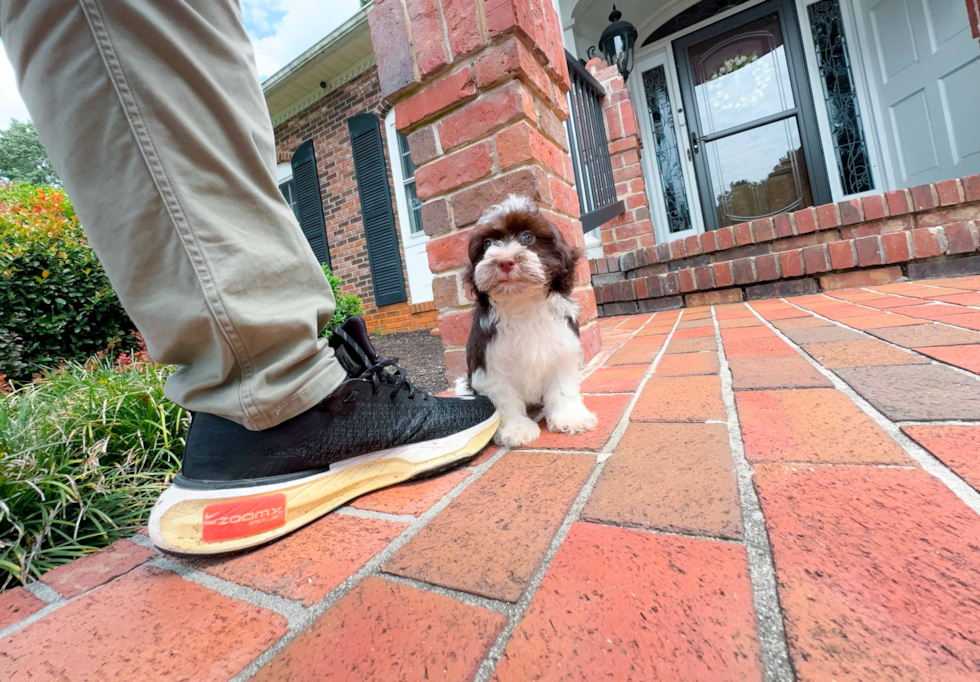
<point>776,490</point>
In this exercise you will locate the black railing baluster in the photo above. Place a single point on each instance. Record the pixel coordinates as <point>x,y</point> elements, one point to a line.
<point>589,148</point>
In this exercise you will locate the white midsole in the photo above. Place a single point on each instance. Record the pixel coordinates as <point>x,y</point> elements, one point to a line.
<point>416,453</point>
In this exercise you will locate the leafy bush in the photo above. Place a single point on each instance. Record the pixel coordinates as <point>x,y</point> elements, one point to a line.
<point>56,300</point>
<point>348,305</point>
<point>84,454</point>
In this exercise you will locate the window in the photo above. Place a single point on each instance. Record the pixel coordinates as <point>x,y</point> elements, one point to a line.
<point>840,96</point>
<point>408,182</point>
<point>288,189</point>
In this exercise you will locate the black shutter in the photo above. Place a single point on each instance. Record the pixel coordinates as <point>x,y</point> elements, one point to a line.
<point>376,210</point>
<point>308,198</point>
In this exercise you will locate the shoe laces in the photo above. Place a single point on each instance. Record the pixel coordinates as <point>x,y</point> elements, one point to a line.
<point>380,374</point>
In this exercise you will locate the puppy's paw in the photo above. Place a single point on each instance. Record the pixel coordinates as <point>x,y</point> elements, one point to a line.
<point>572,418</point>
<point>517,431</point>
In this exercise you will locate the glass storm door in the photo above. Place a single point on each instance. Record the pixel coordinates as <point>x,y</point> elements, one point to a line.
<point>752,129</point>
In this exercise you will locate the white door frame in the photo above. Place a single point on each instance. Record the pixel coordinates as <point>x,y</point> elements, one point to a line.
<point>419,275</point>
<point>655,193</point>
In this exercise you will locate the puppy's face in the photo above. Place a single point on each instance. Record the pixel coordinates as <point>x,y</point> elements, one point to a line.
<point>515,252</point>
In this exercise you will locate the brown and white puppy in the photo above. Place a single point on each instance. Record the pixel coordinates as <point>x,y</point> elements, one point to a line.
<point>524,346</point>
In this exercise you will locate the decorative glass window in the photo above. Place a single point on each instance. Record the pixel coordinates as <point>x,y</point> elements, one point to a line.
<point>408,180</point>
<point>840,96</point>
<point>668,152</point>
<point>288,189</point>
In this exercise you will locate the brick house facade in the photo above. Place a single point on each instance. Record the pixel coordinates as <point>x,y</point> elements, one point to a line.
<point>325,122</point>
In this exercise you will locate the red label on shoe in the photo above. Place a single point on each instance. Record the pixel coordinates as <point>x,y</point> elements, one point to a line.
<point>241,518</point>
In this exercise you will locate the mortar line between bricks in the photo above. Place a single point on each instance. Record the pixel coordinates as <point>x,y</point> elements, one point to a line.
<point>380,516</point>
<point>948,422</point>
<point>44,592</point>
<point>661,531</point>
<point>911,351</point>
<point>458,595</point>
<point>293,611</point>
<point>489,663</point>
<point>371,568</point>
<point>923,457</point>
<point>762,572</point>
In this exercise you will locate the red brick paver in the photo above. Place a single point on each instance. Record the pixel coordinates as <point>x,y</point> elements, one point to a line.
<point>491,538</point>
<point>16,604</point>
<point>680,399</point>
<point>957,446</point>
<point>383,631</point>
<point>96,569</point>
<point>413,497</point>
<point>876,572</point>
<point>812,425</point>
<point>307,564</point>
<point>674,477</point>
<point>619,604</point>
<point>147,625</point>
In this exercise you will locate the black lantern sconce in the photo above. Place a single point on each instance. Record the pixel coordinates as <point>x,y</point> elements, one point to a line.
<point>617,43</point>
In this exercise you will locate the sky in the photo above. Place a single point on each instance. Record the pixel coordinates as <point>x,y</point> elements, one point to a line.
<point>280,31</point>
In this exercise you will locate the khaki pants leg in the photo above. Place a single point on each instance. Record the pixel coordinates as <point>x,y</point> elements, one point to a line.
<point>153,116</point>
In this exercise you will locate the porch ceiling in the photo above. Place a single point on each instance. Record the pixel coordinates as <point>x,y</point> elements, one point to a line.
<point>334,60</point>
<point>592,16</point>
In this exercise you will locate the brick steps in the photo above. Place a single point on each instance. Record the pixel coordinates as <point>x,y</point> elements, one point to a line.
<point>928,231</point>
<point>624,550</point>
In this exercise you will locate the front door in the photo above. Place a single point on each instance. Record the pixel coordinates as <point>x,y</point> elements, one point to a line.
<point>754,137</point>
<point>926,68</point>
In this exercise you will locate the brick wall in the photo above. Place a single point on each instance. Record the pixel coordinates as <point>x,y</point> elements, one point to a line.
<point>921,232</point>
<point>326,124</point>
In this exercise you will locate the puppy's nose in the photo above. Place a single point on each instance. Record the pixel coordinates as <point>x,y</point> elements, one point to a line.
<point>505,264</point>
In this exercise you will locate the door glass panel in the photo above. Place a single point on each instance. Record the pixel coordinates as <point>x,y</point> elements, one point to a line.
<point>741,76</point>
<point>758,172</point>
<point>668,152</point>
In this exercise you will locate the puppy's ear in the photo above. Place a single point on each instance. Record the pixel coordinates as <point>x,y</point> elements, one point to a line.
<point>563,279</point>
<point>475,253</point>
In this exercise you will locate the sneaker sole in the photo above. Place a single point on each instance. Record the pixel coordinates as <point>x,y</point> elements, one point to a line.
<point>199,522</point>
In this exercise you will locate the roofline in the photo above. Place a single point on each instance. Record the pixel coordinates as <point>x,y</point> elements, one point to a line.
<point>335,36</point>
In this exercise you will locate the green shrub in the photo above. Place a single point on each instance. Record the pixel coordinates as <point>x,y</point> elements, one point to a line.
<point>84,454</point>
<point>56,300</point>
<point>348,305</point>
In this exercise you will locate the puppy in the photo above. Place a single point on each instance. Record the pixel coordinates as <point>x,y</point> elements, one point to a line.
<point>524,345</point>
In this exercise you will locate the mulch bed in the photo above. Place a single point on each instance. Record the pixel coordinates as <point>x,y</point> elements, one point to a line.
<point>418,352</point>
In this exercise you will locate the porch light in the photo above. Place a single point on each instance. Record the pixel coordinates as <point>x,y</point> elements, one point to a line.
<point>617,43</point>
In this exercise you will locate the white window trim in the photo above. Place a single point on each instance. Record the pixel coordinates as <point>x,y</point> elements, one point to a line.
<point>398,177</point>
<point>284,173</point>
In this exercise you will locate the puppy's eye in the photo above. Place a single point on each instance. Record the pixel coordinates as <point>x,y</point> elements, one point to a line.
<point>526,237</point>
<point>487,243</point>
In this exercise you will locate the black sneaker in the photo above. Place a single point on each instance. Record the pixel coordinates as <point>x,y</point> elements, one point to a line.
<point>239,488</point>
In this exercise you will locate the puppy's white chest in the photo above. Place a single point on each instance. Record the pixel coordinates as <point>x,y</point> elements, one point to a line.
<point>529,346</point>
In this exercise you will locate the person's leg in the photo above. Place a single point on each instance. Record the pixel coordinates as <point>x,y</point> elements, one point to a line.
<point>154,119</point>
<point>153,116</point>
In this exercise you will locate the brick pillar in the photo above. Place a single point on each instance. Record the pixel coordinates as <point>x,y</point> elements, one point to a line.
<point>479,88</point>
<point>633,229</point>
